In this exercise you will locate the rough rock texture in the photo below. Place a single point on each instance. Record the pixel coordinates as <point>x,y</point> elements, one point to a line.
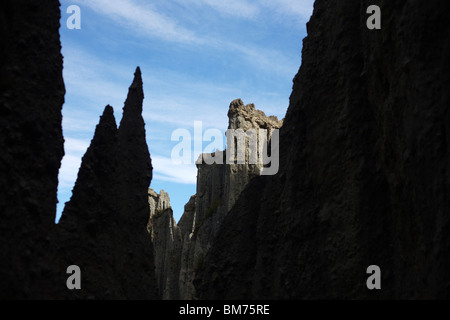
<point>166,238</point>
<point>103,226</point>
<point>364,173</point>
<point>31,142</point>
<point>245,117</point>
<point>158,202</point>
<point>219,185</point>
<point>183,247</point>
<point>186,276</point>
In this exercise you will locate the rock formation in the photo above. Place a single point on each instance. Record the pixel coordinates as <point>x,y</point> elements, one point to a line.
<point>218,186</point>
<point>363,178</point>
<point>158,203</point>
<point>103,226</point>
<point>364,171</point>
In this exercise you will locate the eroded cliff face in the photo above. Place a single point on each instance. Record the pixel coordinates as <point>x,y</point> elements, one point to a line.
<point>364,171</point>
<point>218,186</point>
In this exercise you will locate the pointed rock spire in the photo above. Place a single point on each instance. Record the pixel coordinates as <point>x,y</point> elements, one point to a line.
<point>133,104</point>
<point>98,166</point>
<point>104,224</point>
<point>135,158</point>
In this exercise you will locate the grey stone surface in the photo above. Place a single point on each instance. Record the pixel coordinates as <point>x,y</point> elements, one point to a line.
<point>218,187</point>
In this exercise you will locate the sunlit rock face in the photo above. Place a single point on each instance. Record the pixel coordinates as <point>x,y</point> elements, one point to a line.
<point>180,250</point>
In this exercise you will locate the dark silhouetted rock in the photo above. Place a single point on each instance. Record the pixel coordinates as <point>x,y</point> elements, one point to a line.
<point>31,141</point>
<point>364,167</point>
<point>103,226</point>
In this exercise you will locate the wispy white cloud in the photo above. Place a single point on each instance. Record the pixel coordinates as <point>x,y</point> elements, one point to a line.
<point>141,18</point>
<point>300,9</point>
<point>74,150</point>
<point>80,123</point>
<point>247,9</point>
<point>266,59</point>
<point>165,169</point>
<point>77,146</point>
<point>238,8</point>
<point>94,79</point>
<point>182,109</point>
<point>68,171</point>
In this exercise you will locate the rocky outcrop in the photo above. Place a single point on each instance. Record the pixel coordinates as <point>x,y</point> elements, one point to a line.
<point>218,186</point>
<point>158,203</point>
<point>237,175</point>
<point>364,171</point>
<point>31,141</point>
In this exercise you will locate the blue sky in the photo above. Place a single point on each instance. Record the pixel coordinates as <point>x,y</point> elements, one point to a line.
<point>196,56</point>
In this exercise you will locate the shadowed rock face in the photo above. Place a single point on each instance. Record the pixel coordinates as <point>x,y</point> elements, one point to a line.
<point>86,226</point>
<point>94,195</point>
<point>364,171</point>
<point>31,142</point>
<point>103,226</point>
<point>166,239</point>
